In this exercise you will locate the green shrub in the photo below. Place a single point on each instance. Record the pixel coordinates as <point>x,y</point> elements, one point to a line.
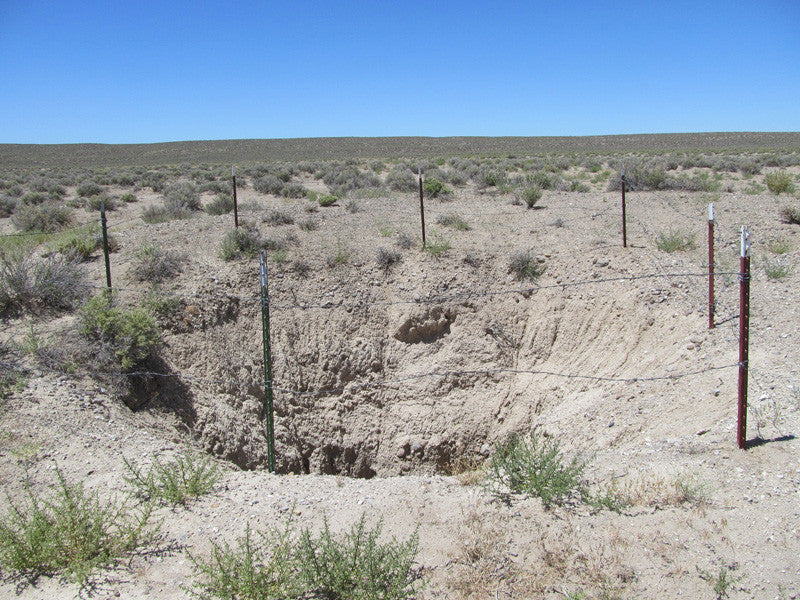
<point>453,220</point>
<point>340,256</point>
<point>327,200</point>
<point>151,263</point>
<point>47,217</point>
<point>278,565</point>
<point>525,266</point>
<point>176,482</point>
<point>776,270</point>
<point>530,465</point>
<point>222,204</point>
<point>779,246</point>
<point>93,203</point>
<point>437,245</point>
<point>181,197</point>
<point>293,190</point>
<point>30,281</point>
<point>401,179</point>
<point>433,188</point>
<point>268,184</point>
<point>675,240</point>
<point>71,532</point>
<point>308,224</point>
<point>530,195</point>
<point>159,214</point>
<point>131,335</point>
<point>34,198</point>
<point>79,245</point>
<point>243,241</point>
<point>129,198</point>
<point>779,182</point>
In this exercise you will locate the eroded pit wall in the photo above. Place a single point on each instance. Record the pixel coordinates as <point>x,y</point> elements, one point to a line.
<point>394,389</point>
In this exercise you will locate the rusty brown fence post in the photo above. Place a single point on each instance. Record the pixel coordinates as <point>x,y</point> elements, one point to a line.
<point>711,304</point>
<point>104,227</point>
<point>624,218</point>
<point>235,203</point>
<point>421,207</point>
<point>744,337</point>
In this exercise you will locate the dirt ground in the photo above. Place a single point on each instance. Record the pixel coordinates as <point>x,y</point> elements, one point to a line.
<point>393,384</point>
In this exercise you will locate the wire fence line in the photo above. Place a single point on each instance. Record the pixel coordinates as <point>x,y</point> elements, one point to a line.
<point>374,384</point>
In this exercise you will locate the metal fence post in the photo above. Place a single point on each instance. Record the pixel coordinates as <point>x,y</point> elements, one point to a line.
<point>624,218</point>
<point>421,207</point>
<point>711,304</point>
<point>105,244</point>
<point>744,337</point>
<point>235,203</point>
<point>267,415</point>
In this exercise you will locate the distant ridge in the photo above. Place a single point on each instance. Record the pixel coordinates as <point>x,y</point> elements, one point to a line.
<point>339,148</point>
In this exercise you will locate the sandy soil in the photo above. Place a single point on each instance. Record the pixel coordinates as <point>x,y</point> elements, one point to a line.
<point>425,366</point>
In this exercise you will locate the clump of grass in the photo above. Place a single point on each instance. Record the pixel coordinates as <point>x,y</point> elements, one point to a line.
<point>71,533</point>
<point>308,224</point>
<point>721,581</point>
<point>94,203</point>
<point>7,206</point>
<point>180,197</point>
<point>404,240</point>
<point>791,214</point>
<point>175,482</point>
<point>675,240</point>
<point>353,207</point>
<point>153,264</point>
<point>779,182</point>
<point>89,189</point>
<point>278,217</point>
<point>453,220</point>
<point>340,256</point>
<point>222,204</point>
<point>401,179</point>
<point>29,281</point>
<point>776,270</point>
<point>280,564</point>
<point>525,266</point>
<point>129,198</point>
<point>530,195</point>
<point>535,466</point>
<point>778,246</point>
<point>386,258</point>
<point>437,245</point>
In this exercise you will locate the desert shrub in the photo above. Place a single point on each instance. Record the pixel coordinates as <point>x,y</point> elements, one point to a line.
<point>779,182</point>
<point>34,198</point>
<point>544,180</point>
<point>278,217</point>
<point>776,269</point>
<point>433,188</point>
<point>159,214</point>
<point>308,224</point>
<point>280,564</point>
<point>402,179</point>
<point>530,195</point>
<point>386,258</point>
<point>129,198</point>
<point>675,240</point>
<point>268,184</point>
<point>221,204</point>
<point>697,183</point>
<point>327,200</point>
<point>525,266</point>
<point>93,203</point>
<point>85,190</point>
<point>53,190</point>
<point>641,176</point>
<point>342,180</point>
<point>30,281</point>
<point>535,466</point>
<point>791,214</point>
<point>80,244</point>
<point>340,256</point>
<point>153,264</point>
<point>404,240</point>
<point>176,482</point>
<point>70,532</point>
<point>217,187</point>
<point>7,206</point>
<point>180,197</point>
<point>131,336</point>
<point>578,186</point>
<point>47,217</point>
<point>293,190</point>
<point>779,246</point>
<point>453,220</point>
<point>352,207</point>
<point>243,241</point>
<point>750,168</point>
<point>490,178</point>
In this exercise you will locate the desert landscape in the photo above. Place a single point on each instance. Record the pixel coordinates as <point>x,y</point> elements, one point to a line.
<point>519,408</point>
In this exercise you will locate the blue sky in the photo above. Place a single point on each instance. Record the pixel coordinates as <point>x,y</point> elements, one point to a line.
<point>140,71</point>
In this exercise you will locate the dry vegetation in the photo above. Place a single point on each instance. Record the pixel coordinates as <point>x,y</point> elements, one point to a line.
<point>506,412</point>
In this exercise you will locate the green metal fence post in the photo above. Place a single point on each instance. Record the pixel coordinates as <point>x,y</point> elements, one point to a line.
<point>267,415</point>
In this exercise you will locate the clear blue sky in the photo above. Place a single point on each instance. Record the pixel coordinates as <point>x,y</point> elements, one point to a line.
<point>117,71</point>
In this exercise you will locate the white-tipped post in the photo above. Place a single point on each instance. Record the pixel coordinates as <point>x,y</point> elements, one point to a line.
<point>711,212</point>
<point>233,171</point>
<point>745,241</point>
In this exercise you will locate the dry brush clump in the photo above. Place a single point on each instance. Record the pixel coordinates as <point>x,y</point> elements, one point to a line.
<point>153,264</point>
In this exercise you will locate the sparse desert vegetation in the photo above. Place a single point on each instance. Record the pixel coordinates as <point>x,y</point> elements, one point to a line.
<point>523,408</point>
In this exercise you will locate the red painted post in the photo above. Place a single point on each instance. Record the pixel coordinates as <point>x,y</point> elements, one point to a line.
<point>235,204</point>
<point>421,208</point>
<point>711,304</point>
<point>624,220</point>
<point>744,337</point>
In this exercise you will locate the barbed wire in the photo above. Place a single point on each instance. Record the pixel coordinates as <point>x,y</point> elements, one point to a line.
<point>381,383</point>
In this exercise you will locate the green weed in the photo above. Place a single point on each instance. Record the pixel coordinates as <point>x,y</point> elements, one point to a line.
<point>675,240</point>
<point>176,482</point>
